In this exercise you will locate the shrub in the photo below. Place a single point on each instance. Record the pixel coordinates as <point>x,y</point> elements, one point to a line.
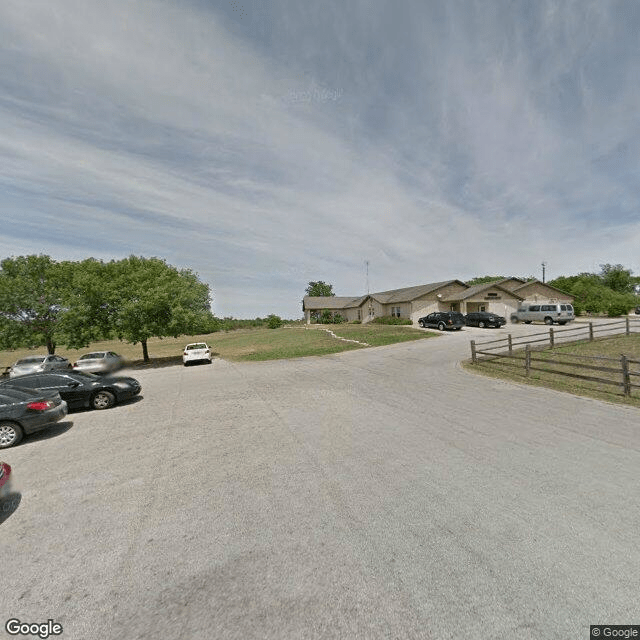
<point>617,309</point>
<point>356,322</point>
<point>274,321</point>
<point>391,320</point>
<point>326,317</point>
<point>578,309</point>
<point>337,319</point>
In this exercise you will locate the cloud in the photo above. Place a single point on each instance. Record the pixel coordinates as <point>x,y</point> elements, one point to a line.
<point>268,148</point>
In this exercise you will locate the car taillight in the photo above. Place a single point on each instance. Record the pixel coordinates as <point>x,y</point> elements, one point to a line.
<point>41,405</point>
<point>185,353</point>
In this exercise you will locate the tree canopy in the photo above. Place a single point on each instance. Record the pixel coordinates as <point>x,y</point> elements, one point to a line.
<point>31,301</point>
<point>319,289</point>
<point>134,299</point>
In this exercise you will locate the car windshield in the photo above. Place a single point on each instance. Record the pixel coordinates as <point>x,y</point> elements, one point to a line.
<point>92,356</point>
<point>31,360</point>
<point>196,346</point>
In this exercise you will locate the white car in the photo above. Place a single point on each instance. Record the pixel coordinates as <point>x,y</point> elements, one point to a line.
<point>196,352</point>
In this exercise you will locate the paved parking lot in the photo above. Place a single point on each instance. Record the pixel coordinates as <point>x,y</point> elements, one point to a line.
<point>382,493</point>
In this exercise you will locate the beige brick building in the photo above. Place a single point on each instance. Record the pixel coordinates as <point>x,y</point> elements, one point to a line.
<point>501,297</point>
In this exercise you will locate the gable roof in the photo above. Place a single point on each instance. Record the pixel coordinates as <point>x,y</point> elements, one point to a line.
<point>544,284</point>
<point>314,303</point>
<point>479,288</point>
<point>411,293</point>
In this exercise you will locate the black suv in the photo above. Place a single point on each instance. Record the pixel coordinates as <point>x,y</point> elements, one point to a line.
<point>443,320</point>
<point>484,319</point>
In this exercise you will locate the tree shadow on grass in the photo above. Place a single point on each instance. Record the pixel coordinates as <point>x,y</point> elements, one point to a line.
<point>158,363</point>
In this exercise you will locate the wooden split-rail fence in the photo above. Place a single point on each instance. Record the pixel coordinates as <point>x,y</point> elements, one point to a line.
<point>622,371</point>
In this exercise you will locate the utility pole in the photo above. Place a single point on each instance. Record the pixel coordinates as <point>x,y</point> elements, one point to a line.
<point>367,265</point>
<point>544,264</point>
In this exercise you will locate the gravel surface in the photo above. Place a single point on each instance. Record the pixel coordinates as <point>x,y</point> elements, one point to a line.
<point>381,493</point>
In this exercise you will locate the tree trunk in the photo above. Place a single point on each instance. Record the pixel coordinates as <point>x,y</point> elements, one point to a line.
<point>145,351</point>
<point>51,346</point>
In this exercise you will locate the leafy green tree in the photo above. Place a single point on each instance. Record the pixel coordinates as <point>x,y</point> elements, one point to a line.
<point>319,288</point>
<point>31,301</point>
<point>616,278</point>
<point>484,279</point>
<point>146,297</point>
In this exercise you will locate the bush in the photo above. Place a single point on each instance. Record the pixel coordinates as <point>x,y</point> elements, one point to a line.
<point>578,309</point>
<point>391,320</point>
<point>617,309</point>
<point>274,321</point>
<point>337,319</point>
<point>356,322</point>
<point>326,317</point>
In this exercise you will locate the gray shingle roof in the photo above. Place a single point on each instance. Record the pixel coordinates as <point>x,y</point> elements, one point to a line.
<point>331,302</point>
<point>479,288</point>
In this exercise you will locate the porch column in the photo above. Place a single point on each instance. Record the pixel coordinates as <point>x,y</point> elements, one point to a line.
<point>307,315</point>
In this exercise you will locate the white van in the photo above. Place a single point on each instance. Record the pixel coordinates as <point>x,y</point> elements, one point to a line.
<point>560,312</point>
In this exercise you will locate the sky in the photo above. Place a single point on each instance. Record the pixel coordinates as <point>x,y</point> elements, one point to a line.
<point>265,144</point>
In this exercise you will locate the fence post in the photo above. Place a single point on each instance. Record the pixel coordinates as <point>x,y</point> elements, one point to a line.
<point>551,337</point>
<point>474,358</point>
<point>527,359</point>
<point>591,331</point>
<point>626,380</point>
<point>627,325</point>
<point>510,344</point>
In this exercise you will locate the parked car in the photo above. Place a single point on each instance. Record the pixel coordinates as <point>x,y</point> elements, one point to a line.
<point>547,313</point>
<point>484,319</point>
<point>5,480</point>
<point>33,364</point>
<point>196,352</point>
<point>23,411</point>
<point>81,389</point>
<point>637,311</point>
<point>443,320</point>
<point>99,362</point>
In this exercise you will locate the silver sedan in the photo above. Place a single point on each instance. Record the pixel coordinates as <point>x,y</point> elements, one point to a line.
<point>99,362</point>
<point>38,364</point>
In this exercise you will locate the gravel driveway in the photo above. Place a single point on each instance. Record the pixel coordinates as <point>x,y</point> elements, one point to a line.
<point>381,493</point>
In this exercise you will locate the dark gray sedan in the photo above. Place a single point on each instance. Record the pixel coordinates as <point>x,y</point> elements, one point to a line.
<point>25,411</point>
<point>80,389</point>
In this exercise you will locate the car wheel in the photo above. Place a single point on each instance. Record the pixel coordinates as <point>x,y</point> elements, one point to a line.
<point>10,434</point>
<point>481,324</point>
<point>422,324</point>
<point>514,320</point>
<point>103,400</point>
<point>441,326</point>
<point>548,320</point>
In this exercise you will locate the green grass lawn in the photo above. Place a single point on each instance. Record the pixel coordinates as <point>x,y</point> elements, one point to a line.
<point>246,344</point>
<point>613,347</point>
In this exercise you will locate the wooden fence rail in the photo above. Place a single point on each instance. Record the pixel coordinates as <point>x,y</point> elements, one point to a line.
<point>627,378</point>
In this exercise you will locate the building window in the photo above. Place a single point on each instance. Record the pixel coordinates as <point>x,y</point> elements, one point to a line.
<point>492,294</point>
<point>359,315</point>
<point>395,312</point>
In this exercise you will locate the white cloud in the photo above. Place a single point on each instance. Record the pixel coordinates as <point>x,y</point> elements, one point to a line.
<point>436,141</point>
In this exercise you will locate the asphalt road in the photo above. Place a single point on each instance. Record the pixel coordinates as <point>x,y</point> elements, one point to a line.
<point>382,493</point>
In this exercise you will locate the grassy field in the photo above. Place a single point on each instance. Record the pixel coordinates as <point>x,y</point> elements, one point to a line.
<point>613,347</point>
<point>245,344</point>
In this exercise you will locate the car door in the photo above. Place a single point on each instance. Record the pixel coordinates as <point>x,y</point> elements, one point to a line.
<point>69,389</point>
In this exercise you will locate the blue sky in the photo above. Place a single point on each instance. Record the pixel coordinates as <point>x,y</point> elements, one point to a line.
<point>267,144</point>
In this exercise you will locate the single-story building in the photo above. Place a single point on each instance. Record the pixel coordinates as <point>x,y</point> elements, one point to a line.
<point>501,297</point>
